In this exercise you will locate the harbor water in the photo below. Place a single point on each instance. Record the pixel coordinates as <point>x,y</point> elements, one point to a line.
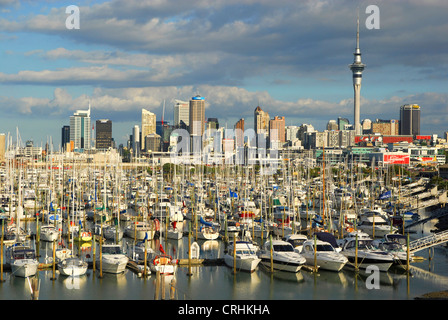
<point>218,282</point>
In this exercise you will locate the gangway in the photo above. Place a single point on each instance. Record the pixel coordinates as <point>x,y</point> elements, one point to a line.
<point>428,241</point>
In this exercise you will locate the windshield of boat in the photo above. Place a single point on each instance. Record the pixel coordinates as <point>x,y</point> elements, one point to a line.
<point>245,252</point>
<point>111,250</point>
<point>324,247</point>
<point>390,246</point>
<point>362,244</point>
<point>283,248</point>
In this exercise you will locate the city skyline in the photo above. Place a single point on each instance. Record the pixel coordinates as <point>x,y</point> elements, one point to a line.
<point>288,58</point>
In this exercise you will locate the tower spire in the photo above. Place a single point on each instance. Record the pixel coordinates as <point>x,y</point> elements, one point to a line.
<point>357,68</point>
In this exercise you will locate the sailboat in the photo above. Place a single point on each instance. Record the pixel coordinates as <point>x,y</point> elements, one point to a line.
<point>22,260</point>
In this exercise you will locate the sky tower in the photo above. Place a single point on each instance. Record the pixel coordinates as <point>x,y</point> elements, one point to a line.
<point>357,67</point>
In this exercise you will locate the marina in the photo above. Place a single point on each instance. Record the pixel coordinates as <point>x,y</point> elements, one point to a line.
<point>88,245</point>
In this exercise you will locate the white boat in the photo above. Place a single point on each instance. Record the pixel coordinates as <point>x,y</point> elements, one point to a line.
<point>245,258</point>
<point>366,254</point>
<point>141,230</point>
<point>113,259</point>
<point>49,233</point>
<point>326,257</point>
<point>174,232</point>
<point>396,245</point>
<point>373,222</point>
<point>112,233</point>
<point>22,260</point>
<point>296,240</point>
<point>284,257</point>
<point>163,263</point>
<point>72,267</point>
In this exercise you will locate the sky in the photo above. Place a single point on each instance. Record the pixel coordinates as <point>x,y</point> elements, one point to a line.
<point>289,57</point>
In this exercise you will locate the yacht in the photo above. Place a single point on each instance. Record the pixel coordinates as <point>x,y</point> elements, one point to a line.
<point>141,230</point>
<point>296,240</point>
<point>242,255</point>
<point>325,257</point>
<point>375,225</point>
<point>284,257</point>
<point>366,254</point>
<point>22,260</point>
<point>113,259</point>
<point>72,267</point>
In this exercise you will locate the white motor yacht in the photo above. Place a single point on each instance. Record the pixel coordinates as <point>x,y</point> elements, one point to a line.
<point>324,256</point>
<point>375,225</point>
<point>359,250</point>
<point>113,259</point>
<point>49,233</point>
<point>296,240</point>
<point>242,255</point>
<point>284,258</point>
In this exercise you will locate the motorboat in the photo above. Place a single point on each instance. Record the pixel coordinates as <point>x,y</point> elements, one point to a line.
<point>163,263</point>
<point>296,240</point>
<point>284,258</point>
<point>395,244</point>
<point>72,267</point>
<point>358,249</point>
<point>323,254</point>
<point>375,225</point>
<point>113,259</point>
<point>242,255</point>
<point>49,233</point>
<point>114,233</point>
<point>22,260</point>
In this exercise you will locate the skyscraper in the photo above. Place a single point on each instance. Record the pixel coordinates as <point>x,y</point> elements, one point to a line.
<point>80,133</point>
<point>103,134</point>
<point>148,125</point>
<point>357,68</point>
<point>277,129</point>
<point>65,137</point>
<point>181,113</point>
<point>197,116</point>
<point>239,133</point>
<point>410,119</point>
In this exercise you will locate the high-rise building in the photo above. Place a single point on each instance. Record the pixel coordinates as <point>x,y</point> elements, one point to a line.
<point>386,127</point>
<point>181,114</point>
<point>239,133</point>
<point>410,119</point>
<point>212,123</point>
<point>342,122</point>
<point>80,132</point>
<point>103,134</point>
<point>2,146</point>
<point>357,68</point>
<point>197,116</point>
<point>332,125</point>
<point>148,125</point>
<point>277,129</point>
<point>153,142</point>
<point>65,137</point>
<point>136,141</point>
<point>261,121</point>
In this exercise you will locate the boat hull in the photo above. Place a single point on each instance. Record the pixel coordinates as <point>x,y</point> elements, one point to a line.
<point>24,268</point>
<point>247,264</point>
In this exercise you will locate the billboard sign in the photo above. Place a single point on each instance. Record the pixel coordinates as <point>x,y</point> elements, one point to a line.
<point>396,159</point>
